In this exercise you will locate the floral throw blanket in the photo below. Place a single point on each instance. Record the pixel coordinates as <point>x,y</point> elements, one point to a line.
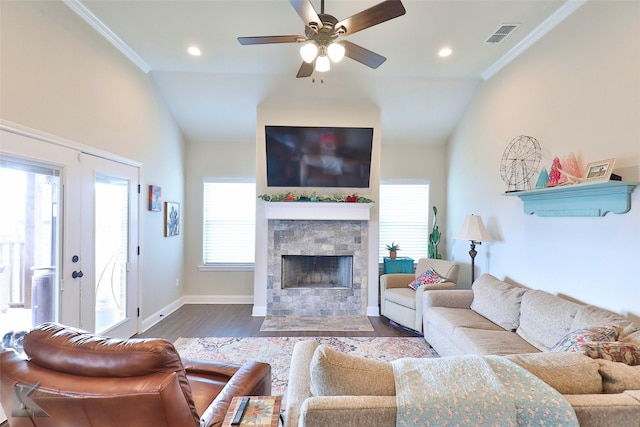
<point>475,391</point>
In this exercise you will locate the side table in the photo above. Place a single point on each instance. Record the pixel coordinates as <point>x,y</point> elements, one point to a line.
<point>262,411</point>
<point>398,265</point>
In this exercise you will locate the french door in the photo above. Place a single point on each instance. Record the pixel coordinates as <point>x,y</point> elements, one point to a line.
<point>72,253</point>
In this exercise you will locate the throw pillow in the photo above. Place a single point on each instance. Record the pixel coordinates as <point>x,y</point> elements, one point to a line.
<point>584,335</point>
<point>429,277</point>
<point>338,374</point>
<point>622,352</point>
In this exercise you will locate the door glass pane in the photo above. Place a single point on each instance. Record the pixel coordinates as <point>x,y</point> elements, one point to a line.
<point>111,250</point>
<point>29,248</point>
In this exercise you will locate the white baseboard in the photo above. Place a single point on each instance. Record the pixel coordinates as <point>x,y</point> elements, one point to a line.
<point>163,312</point>
<point>373,311</point>
<point>259,311</point>
<point>218,299</point>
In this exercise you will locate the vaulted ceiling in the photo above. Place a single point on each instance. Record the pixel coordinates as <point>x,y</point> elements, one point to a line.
<point>420,95</point>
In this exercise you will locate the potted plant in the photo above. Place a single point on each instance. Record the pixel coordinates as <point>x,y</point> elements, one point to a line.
<point>393,249</point>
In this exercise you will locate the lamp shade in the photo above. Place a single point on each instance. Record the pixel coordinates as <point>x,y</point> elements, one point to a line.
<point>336,52</point>
<point>473,229</point>
<point>308,52</point>
<point>322,64</point>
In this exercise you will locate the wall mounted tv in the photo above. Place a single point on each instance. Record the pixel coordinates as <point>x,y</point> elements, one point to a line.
<point>318,156</point>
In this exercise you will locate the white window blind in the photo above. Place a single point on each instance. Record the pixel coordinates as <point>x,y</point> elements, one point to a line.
<point>404,219</point>
<point>229,223</point>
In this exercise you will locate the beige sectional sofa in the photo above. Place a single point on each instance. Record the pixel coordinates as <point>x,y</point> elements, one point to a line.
<point>493,317</point>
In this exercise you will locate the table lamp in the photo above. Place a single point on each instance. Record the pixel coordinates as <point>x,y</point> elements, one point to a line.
<point>473,230</point>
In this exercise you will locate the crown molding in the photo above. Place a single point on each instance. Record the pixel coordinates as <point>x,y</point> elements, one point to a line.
<point>106,32</point>
<point>547,25</point>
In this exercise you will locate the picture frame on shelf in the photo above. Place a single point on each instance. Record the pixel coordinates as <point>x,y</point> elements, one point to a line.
<point>598,171</point>
<point>155,198</point>
<point>171,219</point>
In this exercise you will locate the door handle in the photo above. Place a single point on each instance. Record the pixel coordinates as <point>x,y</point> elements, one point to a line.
<point>77,274</point>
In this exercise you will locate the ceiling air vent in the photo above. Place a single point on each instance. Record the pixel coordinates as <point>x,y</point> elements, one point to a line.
<point>501,33</point>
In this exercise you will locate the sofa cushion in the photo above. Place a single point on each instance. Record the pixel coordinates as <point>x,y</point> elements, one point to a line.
<point>545,318</point>
<point>589,315</point>
<point>592,334</point>
<point>337,374</point>
<point>429,277</point>
<point>447,319</point>
<point>618,377</point>
<point>569,373</point>
<point>498,301</point>
<point>480,341</point>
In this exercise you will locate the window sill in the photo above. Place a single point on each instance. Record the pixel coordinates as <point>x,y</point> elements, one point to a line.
<point>227,267</point>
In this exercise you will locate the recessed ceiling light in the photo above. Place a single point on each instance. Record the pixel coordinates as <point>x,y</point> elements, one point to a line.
<point>194,51</point>
<point>444,52</point>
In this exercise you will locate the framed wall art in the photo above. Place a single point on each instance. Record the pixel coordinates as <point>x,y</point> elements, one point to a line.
<point>171,219</point>
<point>155,198</point>
<point>599,171</point>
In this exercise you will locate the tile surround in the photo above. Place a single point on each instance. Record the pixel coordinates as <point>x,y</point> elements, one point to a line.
<point>311,237</point>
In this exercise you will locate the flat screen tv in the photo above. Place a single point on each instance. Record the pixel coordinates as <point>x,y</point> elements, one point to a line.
<point>299,156</point>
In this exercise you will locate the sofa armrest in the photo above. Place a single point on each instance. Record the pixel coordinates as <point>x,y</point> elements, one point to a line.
<point>251,379</point>
<point>395,280</point>
<point>299,386</point>
<point>452,298</point>
<point>355,411</point>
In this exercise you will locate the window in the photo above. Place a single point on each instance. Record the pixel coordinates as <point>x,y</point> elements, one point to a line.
<point>404,218</point>
<point>229,216</point>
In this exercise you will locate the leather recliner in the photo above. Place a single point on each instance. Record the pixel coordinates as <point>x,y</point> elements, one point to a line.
<point>85,380</point>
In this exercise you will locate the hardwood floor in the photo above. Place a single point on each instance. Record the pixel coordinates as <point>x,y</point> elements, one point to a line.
<point>235,320</point>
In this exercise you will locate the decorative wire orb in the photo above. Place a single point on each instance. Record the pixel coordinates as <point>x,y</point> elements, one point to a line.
<point>520,162</point>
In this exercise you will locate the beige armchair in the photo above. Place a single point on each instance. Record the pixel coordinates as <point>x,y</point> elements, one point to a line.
<point>402,304</point>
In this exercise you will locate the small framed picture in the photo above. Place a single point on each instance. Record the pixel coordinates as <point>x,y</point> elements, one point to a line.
<point>171,219</point>
<point>599,171</point>
<point>155,198</point>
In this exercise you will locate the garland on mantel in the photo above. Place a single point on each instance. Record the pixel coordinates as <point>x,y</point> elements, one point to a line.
<point>293,197</point>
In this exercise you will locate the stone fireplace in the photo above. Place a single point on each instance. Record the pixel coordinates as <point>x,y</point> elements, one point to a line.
<point>328,247</point>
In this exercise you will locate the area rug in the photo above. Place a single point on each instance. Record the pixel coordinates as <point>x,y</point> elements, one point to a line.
<point>316,323</point>
<point>277,351</point>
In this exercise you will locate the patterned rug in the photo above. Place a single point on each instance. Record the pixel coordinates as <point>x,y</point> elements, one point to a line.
<point>277,351</point>
<point>316,323</point>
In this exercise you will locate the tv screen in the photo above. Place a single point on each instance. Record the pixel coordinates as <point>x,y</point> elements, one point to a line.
<point>318,156</point>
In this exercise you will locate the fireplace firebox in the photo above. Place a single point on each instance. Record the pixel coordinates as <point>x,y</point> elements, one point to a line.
<point>317,271</point>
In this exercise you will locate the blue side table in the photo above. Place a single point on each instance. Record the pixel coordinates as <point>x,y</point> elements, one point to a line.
<point>398,265</point>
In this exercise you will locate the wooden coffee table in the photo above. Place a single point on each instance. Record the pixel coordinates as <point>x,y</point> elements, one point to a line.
<point>262,411</point>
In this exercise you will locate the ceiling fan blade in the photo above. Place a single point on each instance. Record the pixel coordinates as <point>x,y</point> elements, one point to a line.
<point>307,12</point>
<point>375,15</point>
<point>362,55</point>
<point>270,39</point>
<point>306,69</point>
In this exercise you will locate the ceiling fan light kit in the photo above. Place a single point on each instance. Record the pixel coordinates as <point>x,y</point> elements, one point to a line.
<point>322,32</point>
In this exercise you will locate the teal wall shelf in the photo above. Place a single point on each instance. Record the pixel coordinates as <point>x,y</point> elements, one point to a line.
<point>579,199</point>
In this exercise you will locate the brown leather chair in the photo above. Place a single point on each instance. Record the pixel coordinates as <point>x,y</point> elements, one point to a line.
<point>85,380</point>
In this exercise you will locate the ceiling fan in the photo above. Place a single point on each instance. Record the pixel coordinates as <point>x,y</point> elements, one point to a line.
<point>323,32</point>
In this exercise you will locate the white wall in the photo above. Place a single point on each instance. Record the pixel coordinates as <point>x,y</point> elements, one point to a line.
<point>576,90</point>
<point>59,76</point>
<point>427,162</point>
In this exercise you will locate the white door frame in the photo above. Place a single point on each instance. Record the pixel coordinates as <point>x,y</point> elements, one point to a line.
<point>36,135</point>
